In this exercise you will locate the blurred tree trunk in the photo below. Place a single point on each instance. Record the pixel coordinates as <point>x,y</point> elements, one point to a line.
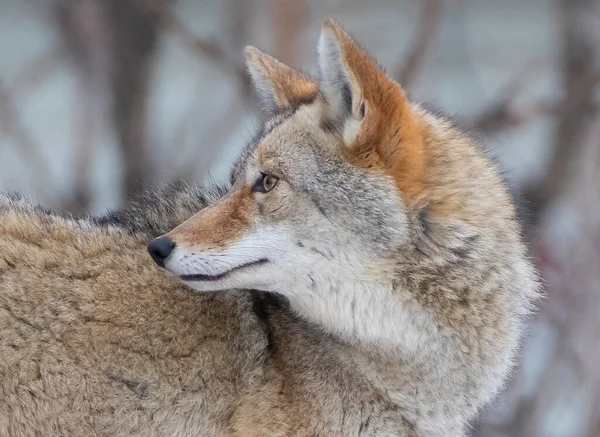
<point>580,53</point>
<point>135,35</point>
<point>113,43</point>
<point>84,28</point>
<point>288,18</point>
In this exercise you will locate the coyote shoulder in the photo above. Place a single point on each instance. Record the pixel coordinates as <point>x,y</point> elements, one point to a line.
<point>363,275</point>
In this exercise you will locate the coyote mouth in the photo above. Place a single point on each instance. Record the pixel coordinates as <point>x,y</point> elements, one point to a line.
<point>203,277</point>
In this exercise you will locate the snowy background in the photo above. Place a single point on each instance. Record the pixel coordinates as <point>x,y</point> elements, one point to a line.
<point>101,97</point>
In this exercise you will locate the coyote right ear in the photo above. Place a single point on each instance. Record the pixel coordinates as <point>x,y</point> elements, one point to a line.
<point>278,86</point>
<point>371,112</point>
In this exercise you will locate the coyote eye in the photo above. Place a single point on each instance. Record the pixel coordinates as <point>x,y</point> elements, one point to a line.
<point>265,183</point>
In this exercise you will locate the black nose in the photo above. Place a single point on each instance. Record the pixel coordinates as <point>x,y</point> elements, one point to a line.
<point>160,248</point>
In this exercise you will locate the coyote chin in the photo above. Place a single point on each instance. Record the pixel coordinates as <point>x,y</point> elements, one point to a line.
<point>366,271</point>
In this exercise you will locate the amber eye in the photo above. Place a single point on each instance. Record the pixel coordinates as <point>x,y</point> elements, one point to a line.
<point>265,183</point>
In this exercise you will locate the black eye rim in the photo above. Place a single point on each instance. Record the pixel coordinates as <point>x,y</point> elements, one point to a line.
<point>259,185</point>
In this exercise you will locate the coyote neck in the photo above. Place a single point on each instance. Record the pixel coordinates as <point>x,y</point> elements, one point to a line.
<point>399,346</point>
<point>361,311</point>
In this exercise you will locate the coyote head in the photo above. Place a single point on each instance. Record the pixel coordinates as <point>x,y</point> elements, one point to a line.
<point>326,183</point>
<point>343,184</point>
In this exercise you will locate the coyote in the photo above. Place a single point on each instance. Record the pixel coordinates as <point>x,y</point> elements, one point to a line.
<point>364,275</point>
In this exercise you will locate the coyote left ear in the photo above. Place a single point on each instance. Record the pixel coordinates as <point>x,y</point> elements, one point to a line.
<point>278,86</point>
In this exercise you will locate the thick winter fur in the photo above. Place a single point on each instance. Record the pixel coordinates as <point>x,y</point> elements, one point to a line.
<point>393,281</point>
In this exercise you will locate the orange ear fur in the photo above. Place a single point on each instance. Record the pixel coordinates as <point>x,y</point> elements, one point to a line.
<point>391,136</point>
<point>279,86</point>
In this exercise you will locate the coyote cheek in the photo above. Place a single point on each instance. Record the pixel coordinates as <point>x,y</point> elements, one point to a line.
<point>219,225</point>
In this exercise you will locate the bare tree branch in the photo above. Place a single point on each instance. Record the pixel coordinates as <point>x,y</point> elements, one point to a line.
<point>210,50</point>
<point>36,71</point>
<point>569,187</point>
<point>86,31</point>
<point>507,112</point>
<point>581,55</point>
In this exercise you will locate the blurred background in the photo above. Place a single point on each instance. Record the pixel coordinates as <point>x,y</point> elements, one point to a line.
<point>99,98</point>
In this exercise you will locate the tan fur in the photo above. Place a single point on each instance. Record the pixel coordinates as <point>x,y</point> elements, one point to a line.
<point>95,340</point>
<point>218,225</point>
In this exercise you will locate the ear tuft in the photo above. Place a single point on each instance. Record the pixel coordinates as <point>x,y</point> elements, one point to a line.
<point>252,53</point>
<point>253,56</point>
<point>278,86</point>
<point>334,74</point>
<point>371,111</point>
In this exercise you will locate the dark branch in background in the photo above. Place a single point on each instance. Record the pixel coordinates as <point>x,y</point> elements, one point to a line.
<point>569,262</point>
<point>113,42</point>
<point>288,20</point>
<point>39,69</point>
<point>427,31</point>
<point>168,20</point>
<point>209,50</point>
<point>209,145</point>
<point>580,75</point>
<point>505,112</point>
<point>85,31</point>
<point>135,36</point>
